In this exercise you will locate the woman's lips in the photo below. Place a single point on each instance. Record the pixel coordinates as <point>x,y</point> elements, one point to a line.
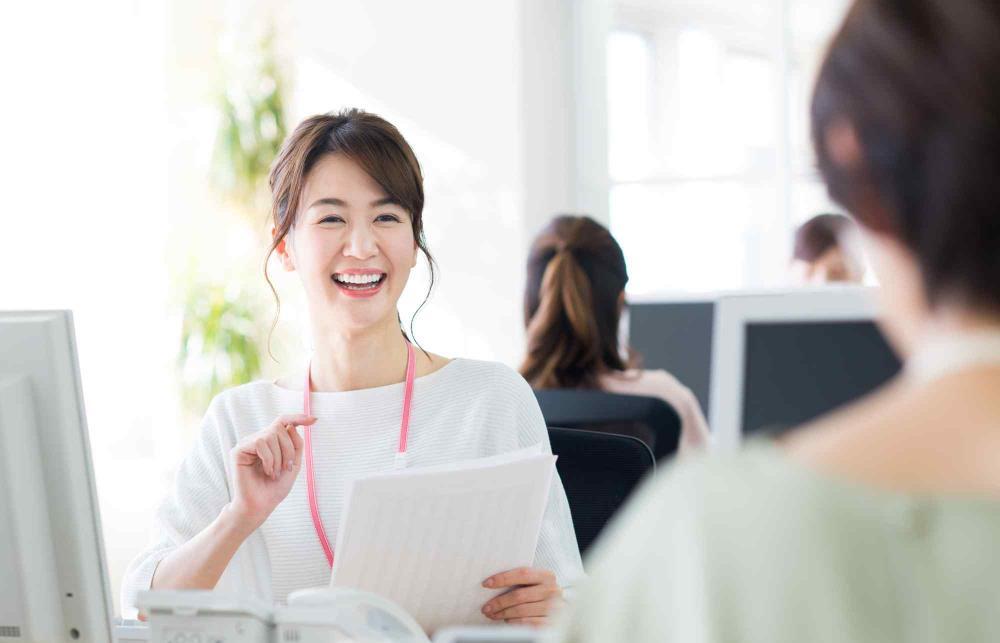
<point>359,290</point>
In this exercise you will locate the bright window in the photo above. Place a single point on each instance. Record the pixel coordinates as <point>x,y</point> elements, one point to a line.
<point>709,155</point>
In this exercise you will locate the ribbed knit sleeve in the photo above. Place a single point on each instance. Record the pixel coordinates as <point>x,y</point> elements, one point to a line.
<point>557,547</point>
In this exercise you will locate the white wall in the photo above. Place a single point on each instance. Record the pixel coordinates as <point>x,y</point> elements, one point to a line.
<point>84,223</point>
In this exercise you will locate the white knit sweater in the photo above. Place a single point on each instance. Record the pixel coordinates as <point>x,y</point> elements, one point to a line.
<point>466,409</point>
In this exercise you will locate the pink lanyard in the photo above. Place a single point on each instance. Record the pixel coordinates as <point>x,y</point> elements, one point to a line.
<point>404,429</point>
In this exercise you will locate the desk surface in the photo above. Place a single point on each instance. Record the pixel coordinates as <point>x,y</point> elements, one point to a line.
<point>139,632</point>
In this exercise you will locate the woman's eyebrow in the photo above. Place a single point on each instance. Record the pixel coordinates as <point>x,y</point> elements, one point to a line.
<point>385,201</point>
<point>340,203</point>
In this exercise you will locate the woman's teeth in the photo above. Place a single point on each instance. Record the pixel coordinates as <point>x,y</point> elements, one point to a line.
<point>359,282</point>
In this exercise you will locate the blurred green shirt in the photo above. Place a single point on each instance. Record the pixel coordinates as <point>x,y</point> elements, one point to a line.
<point>755,547</point>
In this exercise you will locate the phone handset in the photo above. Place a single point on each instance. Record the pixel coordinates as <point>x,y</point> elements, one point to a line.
<point>358,614</point>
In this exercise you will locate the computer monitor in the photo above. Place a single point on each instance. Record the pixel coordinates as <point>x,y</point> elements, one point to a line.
<point>783,359</point>
<point>53,579</point>
<point>676,335</point>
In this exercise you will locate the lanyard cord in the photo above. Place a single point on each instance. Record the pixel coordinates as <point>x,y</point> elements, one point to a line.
<point>404,430</point>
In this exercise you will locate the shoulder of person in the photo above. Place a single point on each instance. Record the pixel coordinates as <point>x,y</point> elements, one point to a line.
<point>716,534</point>
<point>907,439</point>
<point>657,383</point>
<point>722,506</point>
<point>665,379</point>
<point>239,397</point>
<point>497,387</point>
<point>485,372</point>
<point>226,417</point>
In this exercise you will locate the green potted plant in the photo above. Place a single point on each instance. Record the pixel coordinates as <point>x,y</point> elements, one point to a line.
<point>223,326</point>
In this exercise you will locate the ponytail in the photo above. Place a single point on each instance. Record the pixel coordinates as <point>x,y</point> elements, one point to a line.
<point>571,314</point>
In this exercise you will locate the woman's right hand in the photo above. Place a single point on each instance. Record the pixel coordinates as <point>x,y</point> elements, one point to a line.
<point>265,466</point>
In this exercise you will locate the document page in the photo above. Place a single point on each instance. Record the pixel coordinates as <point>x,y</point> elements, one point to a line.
<point>426,538</point>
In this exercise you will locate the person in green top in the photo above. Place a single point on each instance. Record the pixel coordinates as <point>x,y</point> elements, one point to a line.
<point>880,522</point>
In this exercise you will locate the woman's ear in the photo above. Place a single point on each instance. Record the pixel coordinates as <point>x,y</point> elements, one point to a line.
<point>284,250</point>
<point>416,249</point>
<point>842,144</point>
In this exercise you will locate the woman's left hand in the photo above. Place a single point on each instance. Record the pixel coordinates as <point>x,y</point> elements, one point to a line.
<point>534,596</point>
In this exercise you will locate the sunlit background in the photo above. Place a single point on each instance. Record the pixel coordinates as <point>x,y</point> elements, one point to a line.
<point>137,136</point>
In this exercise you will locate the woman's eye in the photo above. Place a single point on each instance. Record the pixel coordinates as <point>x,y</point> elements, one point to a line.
<point>331,219</point>
<point>387,218</point>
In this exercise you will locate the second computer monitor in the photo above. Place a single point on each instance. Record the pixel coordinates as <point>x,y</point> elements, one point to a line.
<point>786,358</point>
<point>676,335</point>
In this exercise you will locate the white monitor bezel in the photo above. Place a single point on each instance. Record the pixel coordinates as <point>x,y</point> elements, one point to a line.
<point>733,313</point>
<point>67,469</point>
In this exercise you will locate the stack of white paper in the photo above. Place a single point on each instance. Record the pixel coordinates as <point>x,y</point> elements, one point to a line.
<point>427,538</point>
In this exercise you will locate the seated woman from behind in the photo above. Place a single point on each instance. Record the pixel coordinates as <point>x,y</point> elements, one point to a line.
<point>572,308</point>
<point>879,522</point>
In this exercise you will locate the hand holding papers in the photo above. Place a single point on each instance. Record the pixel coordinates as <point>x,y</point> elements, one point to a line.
<point>426,538</point>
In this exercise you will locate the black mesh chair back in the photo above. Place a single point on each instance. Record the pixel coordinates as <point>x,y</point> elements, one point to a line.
<point>649,419</point>
<point>599,472</point>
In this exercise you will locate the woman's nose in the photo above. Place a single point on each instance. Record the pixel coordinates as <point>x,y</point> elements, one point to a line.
<point>361,243</point>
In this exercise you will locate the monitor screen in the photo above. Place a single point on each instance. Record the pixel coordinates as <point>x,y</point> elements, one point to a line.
<point>797,371</point>
<point>677,337</point>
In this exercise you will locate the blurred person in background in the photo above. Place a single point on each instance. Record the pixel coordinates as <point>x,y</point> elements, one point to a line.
<point>880,521</point>
<point>573,303</point>
<point>827,250</point>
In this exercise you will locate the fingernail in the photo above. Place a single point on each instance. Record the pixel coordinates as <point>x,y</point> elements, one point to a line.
<point>488,582</point>
<point>487,609</point>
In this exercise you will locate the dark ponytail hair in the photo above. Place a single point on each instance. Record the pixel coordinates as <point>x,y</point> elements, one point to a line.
<point>576,274</point>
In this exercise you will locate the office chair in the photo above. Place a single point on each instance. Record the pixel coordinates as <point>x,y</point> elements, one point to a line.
<point>649,419</point>
<point>599,472</point>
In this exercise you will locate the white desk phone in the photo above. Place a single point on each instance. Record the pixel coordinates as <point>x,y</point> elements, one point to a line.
<point>316,615</point>
<point>313,614</point>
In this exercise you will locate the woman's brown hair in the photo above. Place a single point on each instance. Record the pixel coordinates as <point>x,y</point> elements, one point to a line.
<point>572,307</point>
<point>818,235</point>
<point>370,141</point>
<point>916,84</point>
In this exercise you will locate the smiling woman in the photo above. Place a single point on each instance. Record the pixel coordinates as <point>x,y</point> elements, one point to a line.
<point>352,240</point>
<point>356,174</point>
<point>347,213</point>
